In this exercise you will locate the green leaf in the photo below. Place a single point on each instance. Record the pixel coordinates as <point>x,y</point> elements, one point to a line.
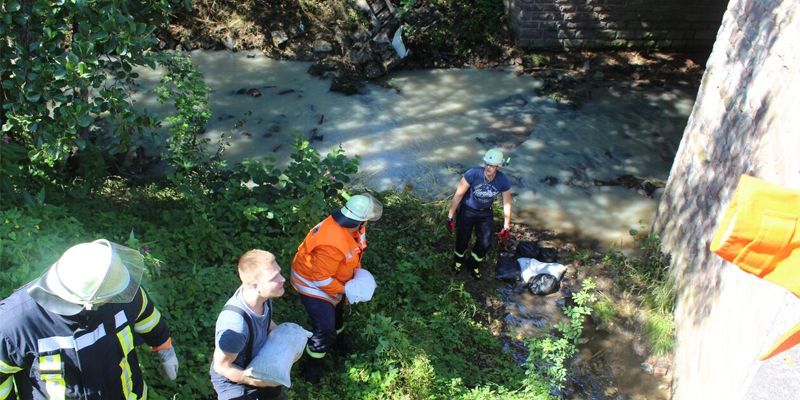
<point>40,197</point>
<point>13,6</point>
<point>85,120</point>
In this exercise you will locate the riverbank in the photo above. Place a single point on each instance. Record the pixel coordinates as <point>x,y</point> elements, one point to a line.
<point>337,36</point>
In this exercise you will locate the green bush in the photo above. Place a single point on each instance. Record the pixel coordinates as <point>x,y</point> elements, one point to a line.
<point>451,26</point>
<point>31,239</point>
<point>66,72</point>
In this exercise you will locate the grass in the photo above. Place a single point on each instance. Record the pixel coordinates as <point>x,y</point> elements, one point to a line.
<point>659,329</point>
<point>604,312</point>
<point>646,278</point>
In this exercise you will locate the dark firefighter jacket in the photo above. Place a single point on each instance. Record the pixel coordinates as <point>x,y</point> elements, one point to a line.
<point>88,356</point>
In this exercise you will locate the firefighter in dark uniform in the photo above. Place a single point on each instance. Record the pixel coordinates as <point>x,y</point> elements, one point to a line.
<point>72,333</point>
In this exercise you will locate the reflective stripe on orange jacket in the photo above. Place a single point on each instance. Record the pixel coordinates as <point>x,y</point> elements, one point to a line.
<point>326,260</point>
<point>760,233</point>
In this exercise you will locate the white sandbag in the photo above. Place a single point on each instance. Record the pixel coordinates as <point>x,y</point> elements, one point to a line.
<point>530,267</point>
<point>274,360</point>
<point>361,287</point>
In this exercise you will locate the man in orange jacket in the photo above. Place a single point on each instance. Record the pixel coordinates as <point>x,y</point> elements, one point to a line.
<point>325,261</point>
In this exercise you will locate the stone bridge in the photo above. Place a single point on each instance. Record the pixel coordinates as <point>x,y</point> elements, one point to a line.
<point>619,24</point>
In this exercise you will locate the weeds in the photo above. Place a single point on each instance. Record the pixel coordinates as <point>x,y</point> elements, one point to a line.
<point>540,60</point>
<point>659,330</point>
<point>550,355</point>
<point>647,277</point>
<point>421,337</point>
<point>604,312</point>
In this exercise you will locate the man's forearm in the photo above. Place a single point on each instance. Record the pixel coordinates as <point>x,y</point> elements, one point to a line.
<point>235,374</point>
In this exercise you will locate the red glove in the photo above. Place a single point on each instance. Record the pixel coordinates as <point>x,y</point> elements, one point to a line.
<point>504,235</point>
<point>451,225</point>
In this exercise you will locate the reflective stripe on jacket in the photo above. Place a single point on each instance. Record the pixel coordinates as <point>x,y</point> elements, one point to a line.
<point>49,356</point>
<point>325,280</point>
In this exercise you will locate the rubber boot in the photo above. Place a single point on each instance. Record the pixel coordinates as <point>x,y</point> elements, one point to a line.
<point>474,267</point>
<point>312,370</point>
<point>458,262</point>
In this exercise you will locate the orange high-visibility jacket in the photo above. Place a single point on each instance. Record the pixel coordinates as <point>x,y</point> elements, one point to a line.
<point>760,233</point>
<point>327,259</point>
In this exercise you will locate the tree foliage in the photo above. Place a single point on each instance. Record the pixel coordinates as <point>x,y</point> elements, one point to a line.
<point>67,76</point>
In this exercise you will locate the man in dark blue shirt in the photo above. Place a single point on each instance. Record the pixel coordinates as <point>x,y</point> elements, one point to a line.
<point>473,200</point>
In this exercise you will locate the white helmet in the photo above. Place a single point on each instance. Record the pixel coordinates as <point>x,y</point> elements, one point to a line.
<point>363,207</point>
<point>88,275</point>
<point>493,157</point>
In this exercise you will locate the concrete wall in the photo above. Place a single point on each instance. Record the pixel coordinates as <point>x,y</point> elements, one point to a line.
<point>601,24</point>
<point>746,120</point>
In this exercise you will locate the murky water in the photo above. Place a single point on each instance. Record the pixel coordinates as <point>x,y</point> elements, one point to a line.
<point>428,126</point>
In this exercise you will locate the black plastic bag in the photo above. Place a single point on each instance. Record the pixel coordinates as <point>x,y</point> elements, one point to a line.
<point>528,250</point>
<point>543,284</point>
<point>547,255</point>
<point>507,268</point>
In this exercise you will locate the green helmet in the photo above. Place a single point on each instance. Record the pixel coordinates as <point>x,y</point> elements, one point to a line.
<point>493,157</point>
<point>362,207</point>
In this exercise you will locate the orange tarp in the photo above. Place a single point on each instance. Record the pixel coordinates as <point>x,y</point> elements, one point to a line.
<point>760,233</point>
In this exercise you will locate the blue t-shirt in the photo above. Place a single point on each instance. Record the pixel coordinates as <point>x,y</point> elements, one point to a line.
<point>232,333</point>
<point>481,194</point>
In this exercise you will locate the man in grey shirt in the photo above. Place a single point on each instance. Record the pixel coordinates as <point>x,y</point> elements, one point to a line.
<point>243,327</point>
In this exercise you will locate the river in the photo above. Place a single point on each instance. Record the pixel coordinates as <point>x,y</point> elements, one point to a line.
<point>421,129</point>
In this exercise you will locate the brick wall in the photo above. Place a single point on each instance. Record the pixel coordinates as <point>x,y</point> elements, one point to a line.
<point>603,24</point>
<point>745,120</point>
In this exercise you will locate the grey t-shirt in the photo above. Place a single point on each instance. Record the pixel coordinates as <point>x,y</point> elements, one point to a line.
<point>231,329</point>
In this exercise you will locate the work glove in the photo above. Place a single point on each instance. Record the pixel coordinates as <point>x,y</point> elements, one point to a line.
<point>169,362</point>
<point>504,235</point>
<point>451,225</point>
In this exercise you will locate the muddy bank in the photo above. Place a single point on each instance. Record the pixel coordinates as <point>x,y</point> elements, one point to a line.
<point>614,362</point>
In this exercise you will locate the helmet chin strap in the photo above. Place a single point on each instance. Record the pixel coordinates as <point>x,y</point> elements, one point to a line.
<point>88,306</point>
